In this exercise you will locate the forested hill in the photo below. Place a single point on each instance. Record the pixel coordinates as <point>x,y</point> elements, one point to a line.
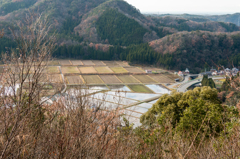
<point>115,30</point>
<point>227,18</point>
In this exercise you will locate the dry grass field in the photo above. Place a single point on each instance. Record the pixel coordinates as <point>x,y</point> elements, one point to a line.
<point>65,62</point>
<point>144,79</point>
<point>52,69</point>
<point>88,63</point>
<point>111,63</point>
<point>140,88</point>
<point>119,70</point>
<point>92,79</point>
<point>162,79</point>
<point>73,80</point>
<point>110,79</point>
<point>76,62</point>
<point>103,70</point>
<point>98,63</point>
<point>134,70</point>
<point>69,70</point>
<point>87,70</point>
<point>55,78</point>
<point>127,79</point>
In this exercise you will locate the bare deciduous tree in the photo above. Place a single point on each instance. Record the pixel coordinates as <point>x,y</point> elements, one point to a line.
<point>23,80</point>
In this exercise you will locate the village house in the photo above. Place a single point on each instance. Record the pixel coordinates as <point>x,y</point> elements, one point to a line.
<point>148,71</point>
<point>180,73</point>
<point>187,71</point>
<point>214,73</point>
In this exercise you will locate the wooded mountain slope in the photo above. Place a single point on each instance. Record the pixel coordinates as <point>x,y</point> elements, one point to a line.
<point>113,30</point>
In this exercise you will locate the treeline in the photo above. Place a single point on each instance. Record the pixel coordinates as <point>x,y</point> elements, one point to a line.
<point>141,53</point>
<point>119,29</point>
<point>7,44</point>
<point>187,25</point>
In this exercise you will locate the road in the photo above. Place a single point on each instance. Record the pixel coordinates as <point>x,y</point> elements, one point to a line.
<point>183,87</point>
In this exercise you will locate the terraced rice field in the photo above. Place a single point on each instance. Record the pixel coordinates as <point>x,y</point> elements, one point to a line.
<point>127,79</point>
<point>161,79</point>
<point>119,70</point>
<point>122,63</point>
<point>77,62</point>
<point>65,62</point>
<point>103,70</point>
<point>110,79</point>
<point>52,69</point>
<point>134,70</point>
<point>144,79</point>
<point>87,70</point>
<point>53,63</point>
<point>171,76</point>
<point>73,80</point>
<point>88,63</point>
<point>55,78</point>
<point>92,79</point>
<point>98,63</point>
<point>140,89</point>
<point>111,63</point>
<point>69,70</point>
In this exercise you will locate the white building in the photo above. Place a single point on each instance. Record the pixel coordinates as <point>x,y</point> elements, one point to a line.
<point>187,71</point>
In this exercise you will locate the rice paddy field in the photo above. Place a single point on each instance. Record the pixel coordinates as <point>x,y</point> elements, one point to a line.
<point>76,62</point>
<point>88,63</point>
<point>52,70</point>
<point>99,63</point>
<point>119,70</point>
<point>110,79</point>
<point>74,80</point>
<point>108,73</point>
<point>116,80</point>
<point>92,79</point>
<point>111,63</point>
<point>55,78</point>
<point>144,79</point>
<point>70,69</point>
<point>162,79</point>
<point>86,70</point>
<point>128,79</point>
<point>134,70</point>
<point>140,89</point>
<point>103,70</point>
<point>65,62</point>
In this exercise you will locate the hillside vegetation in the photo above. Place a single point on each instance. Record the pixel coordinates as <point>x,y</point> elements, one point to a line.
<point>115,30</point>
<point>119,29</point>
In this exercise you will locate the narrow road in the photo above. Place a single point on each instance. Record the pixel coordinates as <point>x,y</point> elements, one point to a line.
<point>183,87</point>
<point>65,85</point>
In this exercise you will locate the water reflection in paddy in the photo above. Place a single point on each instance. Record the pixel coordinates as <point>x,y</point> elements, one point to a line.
<point>115,99</point>
<point>158,89</point>
<point>153,102</point>
<point>98,87</point>
<point>131,113</point>
<point>145,105</point>
<point>138,109</point>
<point>119,88</point>
<point>140,96</point>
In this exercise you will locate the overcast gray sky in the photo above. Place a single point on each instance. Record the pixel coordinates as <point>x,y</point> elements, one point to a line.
<point>187,6</point>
